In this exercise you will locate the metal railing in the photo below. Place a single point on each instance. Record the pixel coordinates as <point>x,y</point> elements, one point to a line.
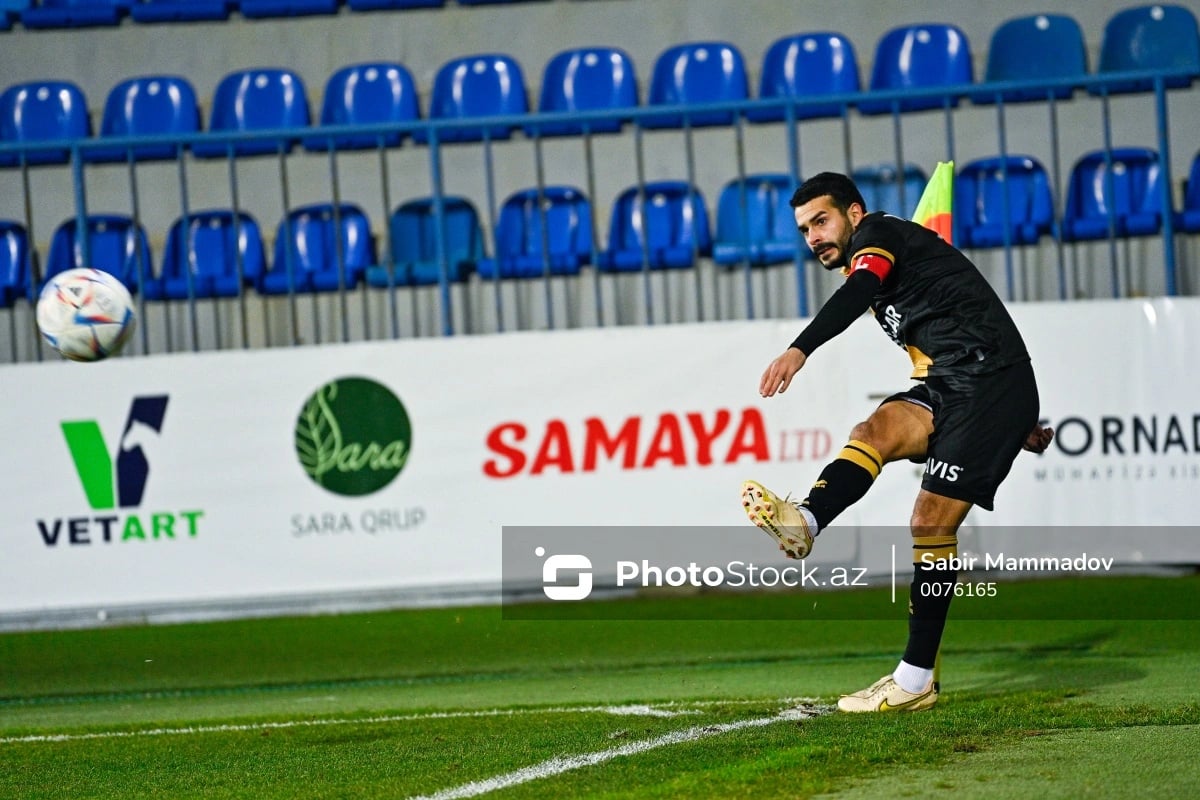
<point>529,127</point>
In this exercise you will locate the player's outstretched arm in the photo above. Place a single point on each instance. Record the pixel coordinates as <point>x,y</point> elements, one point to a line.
<point>779,373</point>
<point>1039,439</point>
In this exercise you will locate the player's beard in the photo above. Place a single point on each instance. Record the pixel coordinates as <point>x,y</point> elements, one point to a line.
<point>837,263</point>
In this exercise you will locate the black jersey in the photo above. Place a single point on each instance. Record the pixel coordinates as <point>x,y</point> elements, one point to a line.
<point>933,301</point>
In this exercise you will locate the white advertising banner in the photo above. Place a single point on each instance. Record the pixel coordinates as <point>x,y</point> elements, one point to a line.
<point>194,478</point>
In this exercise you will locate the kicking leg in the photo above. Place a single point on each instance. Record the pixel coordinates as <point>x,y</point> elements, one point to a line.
<point>895,430</point>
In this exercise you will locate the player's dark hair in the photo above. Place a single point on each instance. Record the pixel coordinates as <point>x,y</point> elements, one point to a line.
<point>840,189</point>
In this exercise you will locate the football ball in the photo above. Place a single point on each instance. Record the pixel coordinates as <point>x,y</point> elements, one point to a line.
<point>85,314</point>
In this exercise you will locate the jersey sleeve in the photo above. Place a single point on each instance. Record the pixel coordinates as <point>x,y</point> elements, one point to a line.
<point>843,307</point>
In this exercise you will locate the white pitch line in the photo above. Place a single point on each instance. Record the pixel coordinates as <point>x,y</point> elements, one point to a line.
<point>630,710</point>
<point>559,765</point>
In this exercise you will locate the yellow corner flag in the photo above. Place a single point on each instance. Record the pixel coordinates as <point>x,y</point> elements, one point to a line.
<point>935,209</point>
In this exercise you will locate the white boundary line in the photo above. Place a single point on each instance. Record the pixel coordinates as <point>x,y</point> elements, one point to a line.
<point>669,709</point>
<point>559,765</point>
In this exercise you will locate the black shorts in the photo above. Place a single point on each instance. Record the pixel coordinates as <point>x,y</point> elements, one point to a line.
<point>980,423</point>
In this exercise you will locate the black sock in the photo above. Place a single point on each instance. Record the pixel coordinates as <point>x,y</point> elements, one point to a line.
<point>929,598</point>
<point>843,482</point>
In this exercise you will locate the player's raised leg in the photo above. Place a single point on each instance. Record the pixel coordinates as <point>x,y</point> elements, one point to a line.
<point>897,429</point>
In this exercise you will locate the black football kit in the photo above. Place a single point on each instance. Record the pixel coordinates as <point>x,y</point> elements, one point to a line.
<point>966,350</point>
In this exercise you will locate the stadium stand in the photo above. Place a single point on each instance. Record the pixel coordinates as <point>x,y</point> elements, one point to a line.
<point>755,222</point>
<point>75,13</point>
<point>153,105</point>
<point>320,248</point>
<point>14,263</point>
<point>181,10</point>
<point>884,188</point>
<point>1150,37</point>
<point>114,244</point>
<point>1035,48</point>
<point>367,94</point>
<point>1002,200</point>
<point>42,111</point>
<point>805,66</point>
<point>472,87</point>
<point>916,57</point>
<point>587,79</point>
<point>546,232</point>
<point>1121,187</point>
<point>414,230</point>
<point>661,225</point>
<point>212,253</point>
<point>253,100</point>
<point>692,74</point>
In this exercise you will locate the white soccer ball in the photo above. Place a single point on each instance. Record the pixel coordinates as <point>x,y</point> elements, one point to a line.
<point>85,314</point>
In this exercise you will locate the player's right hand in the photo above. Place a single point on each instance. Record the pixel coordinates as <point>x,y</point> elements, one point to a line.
<point>779,373</point>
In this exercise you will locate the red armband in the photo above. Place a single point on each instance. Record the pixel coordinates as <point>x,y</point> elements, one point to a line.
<point>874,262</point>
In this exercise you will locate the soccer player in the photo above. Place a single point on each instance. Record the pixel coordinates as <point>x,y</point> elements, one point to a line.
<point>974,409</point>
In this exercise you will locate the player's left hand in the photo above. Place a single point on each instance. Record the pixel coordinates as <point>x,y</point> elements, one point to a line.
<point>1039,439</point>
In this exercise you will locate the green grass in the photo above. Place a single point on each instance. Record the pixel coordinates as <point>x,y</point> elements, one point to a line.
<point>1031,706</point>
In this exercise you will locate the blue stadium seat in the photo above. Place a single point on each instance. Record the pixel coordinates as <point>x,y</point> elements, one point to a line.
<point>42,111</point>
<point>880,187</point>
<point>699,72</point>
<point>919,57</point>
<point>472,87</point>
<point>367,94</point>
<point>806,66</point>
<point>1150,37</point>
<point>979,202</point>
<point>256,99</point>
<point>1134,197</point>
<point>209,247</point>
<point>414,230</point>
<point>115,246</point>
<point>1188,219</point>
<point>764,231</point>
<point>10,12</point>
<point>567,227</point>
<point>261,9</point>
<point>181,10</point>
<point>75,13</point>
<point>310,234</point>
<point>673,224</point>
<point>1039,47</point>
<point>376,5</point>
<point>154,105</point>
<point>587,79</point>
<point>14,263</point>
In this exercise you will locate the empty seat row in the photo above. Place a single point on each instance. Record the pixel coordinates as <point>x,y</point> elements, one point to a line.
<point>93,13</point>
<point>662,225</point>
<point>804,76</point>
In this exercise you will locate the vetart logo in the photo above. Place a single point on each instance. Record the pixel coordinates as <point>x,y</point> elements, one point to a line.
<point>353,436</point>
<point>117,480</point>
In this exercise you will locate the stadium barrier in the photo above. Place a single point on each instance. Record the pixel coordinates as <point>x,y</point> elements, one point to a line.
<point>385,472</point>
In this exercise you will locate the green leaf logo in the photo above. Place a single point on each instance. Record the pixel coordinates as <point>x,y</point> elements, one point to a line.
<point>353,436</point>
<point>318,437</point>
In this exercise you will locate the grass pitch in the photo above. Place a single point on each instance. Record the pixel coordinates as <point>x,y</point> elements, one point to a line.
<point>462,703</point>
